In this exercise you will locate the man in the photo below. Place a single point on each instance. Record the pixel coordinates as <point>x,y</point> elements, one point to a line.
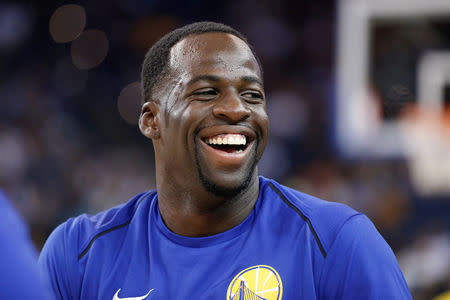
<point>19,275</point>
<point>213,229</point>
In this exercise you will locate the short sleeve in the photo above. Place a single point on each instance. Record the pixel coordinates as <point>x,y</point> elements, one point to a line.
<point>58,263</point>
<point>361,265</point>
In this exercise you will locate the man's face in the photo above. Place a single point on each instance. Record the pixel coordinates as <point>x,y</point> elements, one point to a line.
<point>212,116</point>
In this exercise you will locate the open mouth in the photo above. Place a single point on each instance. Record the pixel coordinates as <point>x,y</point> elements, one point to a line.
<point>229,143</point>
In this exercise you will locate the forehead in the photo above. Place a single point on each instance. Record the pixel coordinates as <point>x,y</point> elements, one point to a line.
<point>207,52</point>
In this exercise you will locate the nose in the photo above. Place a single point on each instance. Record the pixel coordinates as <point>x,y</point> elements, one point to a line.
<point>231,108</point>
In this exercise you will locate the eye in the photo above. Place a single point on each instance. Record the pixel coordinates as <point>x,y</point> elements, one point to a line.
<point>253,96</point>
<point>204,94</point>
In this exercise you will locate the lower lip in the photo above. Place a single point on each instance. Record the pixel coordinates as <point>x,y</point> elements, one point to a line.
<point>226,159</point>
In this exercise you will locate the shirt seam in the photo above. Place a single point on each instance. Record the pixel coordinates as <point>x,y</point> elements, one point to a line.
<point>306,219</point>
<point>101,233</point>
<point>332,245</point>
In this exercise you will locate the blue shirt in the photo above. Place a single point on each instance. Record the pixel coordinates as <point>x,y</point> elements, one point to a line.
<point>19,274</point>
<point>291,246</point>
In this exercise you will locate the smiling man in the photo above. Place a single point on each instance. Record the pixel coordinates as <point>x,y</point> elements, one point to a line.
<point>213,229</point>
<point>209,128</point>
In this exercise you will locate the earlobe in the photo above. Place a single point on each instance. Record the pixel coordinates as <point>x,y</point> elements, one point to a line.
<point>149,121</point>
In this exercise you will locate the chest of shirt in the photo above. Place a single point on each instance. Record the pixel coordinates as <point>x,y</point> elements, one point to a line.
<point>247,265</point>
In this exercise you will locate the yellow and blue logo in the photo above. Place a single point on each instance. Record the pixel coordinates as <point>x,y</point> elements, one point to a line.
<point>257,282</point>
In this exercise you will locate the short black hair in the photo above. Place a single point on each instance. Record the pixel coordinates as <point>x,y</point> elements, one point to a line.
<point>155,62</point>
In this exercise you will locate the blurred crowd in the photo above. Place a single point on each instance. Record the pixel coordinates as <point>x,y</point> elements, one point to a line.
<point>69,143</point>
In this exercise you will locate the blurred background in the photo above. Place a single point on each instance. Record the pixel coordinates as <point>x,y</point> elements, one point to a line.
<point>69,105</point>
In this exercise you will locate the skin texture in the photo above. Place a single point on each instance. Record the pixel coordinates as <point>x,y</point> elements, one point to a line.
<point>213,86</point>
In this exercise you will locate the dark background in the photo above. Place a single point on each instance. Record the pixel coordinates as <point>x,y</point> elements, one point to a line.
<point>69,143</point>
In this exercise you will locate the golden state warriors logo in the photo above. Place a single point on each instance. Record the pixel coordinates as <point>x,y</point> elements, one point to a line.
<point>257,282</point>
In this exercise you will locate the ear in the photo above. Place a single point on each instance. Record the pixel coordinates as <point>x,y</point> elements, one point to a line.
<point>149,120</point>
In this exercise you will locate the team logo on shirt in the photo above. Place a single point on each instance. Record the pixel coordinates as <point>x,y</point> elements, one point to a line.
<point>257,282</point>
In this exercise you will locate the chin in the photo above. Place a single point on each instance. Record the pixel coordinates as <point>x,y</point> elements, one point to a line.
<point>226,180</point>
<point>227,185</point>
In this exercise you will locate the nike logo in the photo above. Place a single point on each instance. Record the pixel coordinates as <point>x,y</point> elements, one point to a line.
<point>116,296</point>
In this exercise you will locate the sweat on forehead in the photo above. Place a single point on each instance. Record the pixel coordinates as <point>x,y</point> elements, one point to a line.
<point>208,48</point>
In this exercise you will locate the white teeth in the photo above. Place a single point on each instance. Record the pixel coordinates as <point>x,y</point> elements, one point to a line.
<point>227,139</point>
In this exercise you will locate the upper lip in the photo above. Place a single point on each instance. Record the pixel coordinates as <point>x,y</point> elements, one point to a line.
<point>214,130</point>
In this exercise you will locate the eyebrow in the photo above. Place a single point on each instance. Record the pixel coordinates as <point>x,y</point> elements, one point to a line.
<point>203,77</point>
<point>252,79</point>
<point>248,79</point>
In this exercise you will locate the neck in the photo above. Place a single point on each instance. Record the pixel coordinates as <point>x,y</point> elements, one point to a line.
<point>197,212</point>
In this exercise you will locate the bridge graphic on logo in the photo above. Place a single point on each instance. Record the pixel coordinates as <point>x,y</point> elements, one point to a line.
<point>244,293</point>
<point>259,282</point>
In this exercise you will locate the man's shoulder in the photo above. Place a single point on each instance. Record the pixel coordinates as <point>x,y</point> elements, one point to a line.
<point>83,230</point>
<point>324,218</point>
<point>308,206</point>
<point>72,240</point>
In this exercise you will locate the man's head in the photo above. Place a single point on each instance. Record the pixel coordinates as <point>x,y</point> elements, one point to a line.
<point>205,109</point>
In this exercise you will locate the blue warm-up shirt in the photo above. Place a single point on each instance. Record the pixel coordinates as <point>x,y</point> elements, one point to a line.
<point>291,246</point>
<point>19,274</point>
